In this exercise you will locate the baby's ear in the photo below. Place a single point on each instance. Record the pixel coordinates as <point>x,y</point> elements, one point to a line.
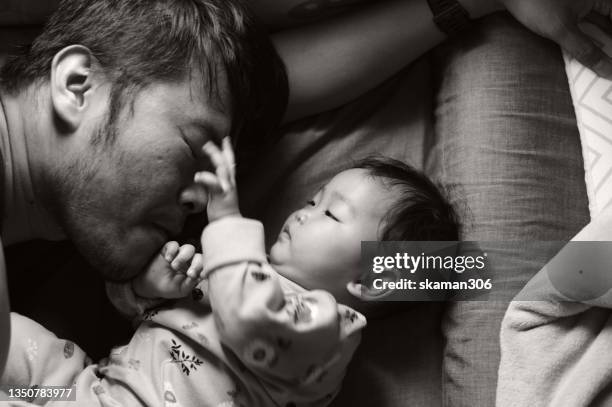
<point>373,287</point>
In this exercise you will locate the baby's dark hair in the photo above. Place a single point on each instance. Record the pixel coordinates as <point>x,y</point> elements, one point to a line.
<point>421,212</point>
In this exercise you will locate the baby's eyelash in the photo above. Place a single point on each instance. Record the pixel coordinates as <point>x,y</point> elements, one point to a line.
<point>310,202</point>
<point>331,215</point>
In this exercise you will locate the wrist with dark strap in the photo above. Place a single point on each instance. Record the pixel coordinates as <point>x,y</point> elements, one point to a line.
<point>450,16</point>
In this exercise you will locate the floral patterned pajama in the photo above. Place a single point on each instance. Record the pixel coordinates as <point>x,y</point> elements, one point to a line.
<point>246,337</point>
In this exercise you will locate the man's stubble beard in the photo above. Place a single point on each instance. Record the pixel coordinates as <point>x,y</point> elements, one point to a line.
<point>75,202</point>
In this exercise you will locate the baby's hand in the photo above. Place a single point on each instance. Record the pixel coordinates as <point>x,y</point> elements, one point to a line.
<point>221,186</point>
<point>173,273</point>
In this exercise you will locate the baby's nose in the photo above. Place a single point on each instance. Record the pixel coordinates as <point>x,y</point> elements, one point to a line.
<point>301,217</point>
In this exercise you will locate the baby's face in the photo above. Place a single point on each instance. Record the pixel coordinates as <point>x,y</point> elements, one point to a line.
<point>319,246</point>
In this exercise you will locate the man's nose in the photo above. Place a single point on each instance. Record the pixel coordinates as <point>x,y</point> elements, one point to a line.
<point>194,199</point>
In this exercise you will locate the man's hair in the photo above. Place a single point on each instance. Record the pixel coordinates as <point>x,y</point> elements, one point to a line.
<point>421,211</point>
<point>140,42</point>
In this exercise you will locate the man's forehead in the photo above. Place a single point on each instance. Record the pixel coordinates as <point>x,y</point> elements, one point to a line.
<point>184,104</point>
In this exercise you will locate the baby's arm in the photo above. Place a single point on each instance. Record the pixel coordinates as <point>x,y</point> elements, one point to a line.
<point>298,342</point>
<point>332,62</point>
<point>173,273</point>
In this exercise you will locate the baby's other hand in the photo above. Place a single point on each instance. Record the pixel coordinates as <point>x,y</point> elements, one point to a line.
<point>173,273</point>
<point>221,186</point>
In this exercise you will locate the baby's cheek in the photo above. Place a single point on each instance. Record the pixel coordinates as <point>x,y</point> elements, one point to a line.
<point>348,251</point>
<point>351,240</point>
<point>275,253</point>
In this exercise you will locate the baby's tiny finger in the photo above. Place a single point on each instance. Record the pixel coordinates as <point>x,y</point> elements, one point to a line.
<point>230,158</point>
<point>170,250</point>
<point>183,259</point>
<point>196,266</point>
<point>228,150</point>
<point>208,179</point>
<point>214,154</point>
<point>219,161</point>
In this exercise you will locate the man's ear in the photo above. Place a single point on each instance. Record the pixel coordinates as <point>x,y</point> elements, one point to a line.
<point>372,287</point>
<point>71,79</point>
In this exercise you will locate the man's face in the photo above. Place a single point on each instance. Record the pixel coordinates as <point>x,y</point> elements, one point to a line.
<point>119,203</point>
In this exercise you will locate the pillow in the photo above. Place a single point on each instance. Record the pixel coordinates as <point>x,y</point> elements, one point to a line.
<point>592,97</point>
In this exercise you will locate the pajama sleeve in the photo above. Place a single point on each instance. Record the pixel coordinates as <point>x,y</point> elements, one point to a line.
<point>297,344</point>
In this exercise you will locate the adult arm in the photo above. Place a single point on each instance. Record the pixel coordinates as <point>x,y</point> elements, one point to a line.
<point>5,325</point>
<point>559,20</point>
<point>332,62</point>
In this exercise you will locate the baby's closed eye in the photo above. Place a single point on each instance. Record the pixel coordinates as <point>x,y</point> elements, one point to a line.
<point>331,215</point>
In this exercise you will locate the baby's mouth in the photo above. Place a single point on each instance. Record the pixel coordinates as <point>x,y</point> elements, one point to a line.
<point>285,232</point>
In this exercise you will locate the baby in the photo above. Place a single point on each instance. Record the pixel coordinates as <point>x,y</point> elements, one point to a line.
<point>255,330</point>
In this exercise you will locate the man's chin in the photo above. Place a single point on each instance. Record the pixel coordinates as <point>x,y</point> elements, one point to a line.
<point>114,269</point>
<point>122,270</point>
